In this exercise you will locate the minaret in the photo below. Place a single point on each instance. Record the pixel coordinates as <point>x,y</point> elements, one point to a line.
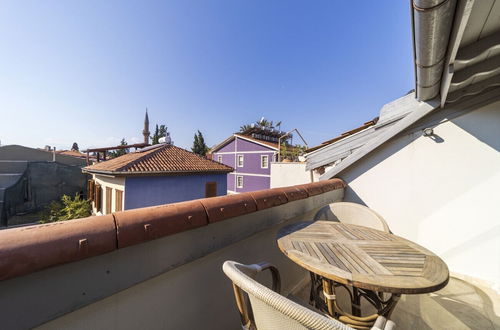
<point>145,131</point>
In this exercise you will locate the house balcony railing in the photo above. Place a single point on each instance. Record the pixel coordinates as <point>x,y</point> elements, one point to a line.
<point>161,267</point>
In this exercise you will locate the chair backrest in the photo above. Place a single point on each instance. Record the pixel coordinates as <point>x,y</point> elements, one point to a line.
<point>354,214</point>
<point>272,311</point>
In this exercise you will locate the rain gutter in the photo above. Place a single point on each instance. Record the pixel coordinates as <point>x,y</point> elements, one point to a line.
<point>432,24</point>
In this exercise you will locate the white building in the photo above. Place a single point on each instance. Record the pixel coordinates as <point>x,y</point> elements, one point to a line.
<point>430,165</point>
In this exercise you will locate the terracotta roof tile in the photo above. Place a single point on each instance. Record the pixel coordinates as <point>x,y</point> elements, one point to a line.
<point>345,134</point>
<point>167,159</point>
<point>72,153</point>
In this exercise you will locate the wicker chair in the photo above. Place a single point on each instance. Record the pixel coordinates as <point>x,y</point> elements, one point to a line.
<point>264,309</point>
<point>352,213</point>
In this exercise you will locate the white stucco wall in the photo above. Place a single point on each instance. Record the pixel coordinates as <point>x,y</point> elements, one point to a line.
<point>113,183</point>
<point>289,174</point>
<point>443,193</point>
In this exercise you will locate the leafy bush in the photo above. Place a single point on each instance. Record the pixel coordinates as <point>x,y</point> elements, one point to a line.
<point>66,209</point>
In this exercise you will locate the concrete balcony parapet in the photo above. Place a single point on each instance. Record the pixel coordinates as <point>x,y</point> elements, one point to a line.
<point>28,249</point>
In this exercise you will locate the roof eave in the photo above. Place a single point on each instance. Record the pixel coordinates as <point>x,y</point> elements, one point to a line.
<point>256,142</point>
<point>420,110</point>
<point>157,173</point>
<point>223,143</point>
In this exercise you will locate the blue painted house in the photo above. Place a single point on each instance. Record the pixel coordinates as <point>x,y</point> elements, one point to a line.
<point>155,175</point>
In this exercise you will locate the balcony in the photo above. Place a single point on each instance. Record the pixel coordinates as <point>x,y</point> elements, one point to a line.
<point>160,267</point>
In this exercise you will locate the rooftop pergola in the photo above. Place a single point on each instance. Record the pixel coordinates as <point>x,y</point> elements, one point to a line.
<point>104,150</point>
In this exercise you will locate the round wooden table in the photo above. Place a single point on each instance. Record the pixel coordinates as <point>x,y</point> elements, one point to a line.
<point>367,260</point>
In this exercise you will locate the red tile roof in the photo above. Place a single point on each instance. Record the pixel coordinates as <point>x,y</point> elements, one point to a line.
<point>158,159</point>
<point>345,134</point>
<point>72,153</point>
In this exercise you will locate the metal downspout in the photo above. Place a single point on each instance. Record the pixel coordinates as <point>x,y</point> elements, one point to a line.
<point>432,23</point>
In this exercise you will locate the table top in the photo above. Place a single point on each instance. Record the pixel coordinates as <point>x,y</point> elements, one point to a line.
<point>363,257</point>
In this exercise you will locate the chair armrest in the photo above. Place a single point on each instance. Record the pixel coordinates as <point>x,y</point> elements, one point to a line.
<point>276,285</point>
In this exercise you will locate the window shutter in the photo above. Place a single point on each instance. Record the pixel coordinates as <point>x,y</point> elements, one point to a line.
<point>97,197</point>
<point>90,190</point>
<point>118,200</point>
<point>109,194</point>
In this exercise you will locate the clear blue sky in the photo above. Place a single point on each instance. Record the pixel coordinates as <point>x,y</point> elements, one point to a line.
<point>85,71</point>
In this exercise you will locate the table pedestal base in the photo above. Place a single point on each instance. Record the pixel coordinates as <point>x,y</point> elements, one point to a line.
<point>324,298</point>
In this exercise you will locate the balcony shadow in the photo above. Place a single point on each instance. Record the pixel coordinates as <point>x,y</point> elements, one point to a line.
<point>460,305</point>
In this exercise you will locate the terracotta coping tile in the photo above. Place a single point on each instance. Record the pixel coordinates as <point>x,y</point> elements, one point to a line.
<point>144,224</point>
<point>268,198</point>
<point>294,193</point>
<point>312,189</point>
<point>31,248</point>
<point>225,207</point>
<point>27,249</point>
<point>329,185</point>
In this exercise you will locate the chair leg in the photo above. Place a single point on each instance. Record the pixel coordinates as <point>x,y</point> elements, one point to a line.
<point>242,308</point>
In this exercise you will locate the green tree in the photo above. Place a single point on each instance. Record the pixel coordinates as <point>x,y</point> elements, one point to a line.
<point>265,123</point>
<point>74,147</point>
<point>155,137</point>
<point>199,145</point>
<point>245,128</point>
<point>261,122</point>
<point>66,209</point>
<point>160,131</point>
<point>119,152</point>
<point>291,152</point>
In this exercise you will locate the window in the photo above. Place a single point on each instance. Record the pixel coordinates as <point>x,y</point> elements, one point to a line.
<point>109,196</point>
<point>239,181</point>
<point>219,158</point>
<point>240,161</point>
<point>211,189</point>
<point>118,200</point>
<point>264,161</point>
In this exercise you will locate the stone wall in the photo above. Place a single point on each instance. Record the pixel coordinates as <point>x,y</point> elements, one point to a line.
<point>40,184</point>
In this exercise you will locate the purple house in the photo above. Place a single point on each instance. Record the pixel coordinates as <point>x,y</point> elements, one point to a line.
<point>251,157</point>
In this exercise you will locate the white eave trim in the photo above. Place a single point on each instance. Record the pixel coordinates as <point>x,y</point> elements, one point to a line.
<point>463,11</point>
<point>250,174</point>
<point>245,152</point>
<point>347,137</point>
<point>222,144</point>
<point>421,109</point>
